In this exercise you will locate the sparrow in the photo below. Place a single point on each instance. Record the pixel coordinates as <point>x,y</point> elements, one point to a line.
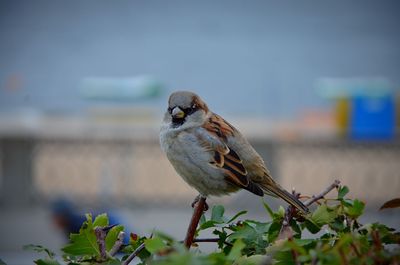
<point>211,155</point>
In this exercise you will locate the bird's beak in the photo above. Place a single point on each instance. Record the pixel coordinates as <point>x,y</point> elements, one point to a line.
<point>177,113</point>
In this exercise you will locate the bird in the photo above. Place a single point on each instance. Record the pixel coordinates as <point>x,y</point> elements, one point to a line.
<point>211,155</point>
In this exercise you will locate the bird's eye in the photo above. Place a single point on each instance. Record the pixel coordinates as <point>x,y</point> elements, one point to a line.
<point>170,110</point>
<point>190,110</point>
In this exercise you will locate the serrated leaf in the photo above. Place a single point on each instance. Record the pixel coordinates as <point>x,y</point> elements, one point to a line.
<point>154,245</point>
<point>85,242</point>
<point>217,213</point>
<point>323,215</point>
<point>395,203</point>
<point>356,209</point>
<point>246,231</point>
<point>343,190</point>
<point>100,220</point>
<point>112,236</point>
<point>236,250</point>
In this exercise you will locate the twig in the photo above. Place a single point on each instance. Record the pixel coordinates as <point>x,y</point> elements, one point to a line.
<point>133,254</point>
<point>118,243</point>
<point>101,237</point>
<point>315,198</point>
<point>286,231</point>
<point>209,240</point>
<point>198,211</point>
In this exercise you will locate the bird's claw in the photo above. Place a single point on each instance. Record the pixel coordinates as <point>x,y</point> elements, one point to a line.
<point>196,200</point>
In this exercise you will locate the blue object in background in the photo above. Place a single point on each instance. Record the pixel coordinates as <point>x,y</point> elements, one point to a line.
<point>372,118</point>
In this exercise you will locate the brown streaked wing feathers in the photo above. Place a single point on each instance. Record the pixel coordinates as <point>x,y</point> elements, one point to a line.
<point>219,127</point>
<point>226,158</point>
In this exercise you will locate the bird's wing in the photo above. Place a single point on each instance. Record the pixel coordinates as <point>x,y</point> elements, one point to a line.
<point>217,131</point>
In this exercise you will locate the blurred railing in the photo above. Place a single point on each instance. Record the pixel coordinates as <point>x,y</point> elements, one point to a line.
<point>134,170</point>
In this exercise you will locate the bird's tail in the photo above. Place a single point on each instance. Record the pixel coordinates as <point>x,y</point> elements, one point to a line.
<point>275,189</point>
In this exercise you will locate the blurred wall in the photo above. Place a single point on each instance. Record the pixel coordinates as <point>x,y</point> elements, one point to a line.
<point>258,57</point>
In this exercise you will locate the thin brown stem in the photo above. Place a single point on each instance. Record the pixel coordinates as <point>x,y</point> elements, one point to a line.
<point>315,198</point>
<point>133,254</point>
<point>209,240</point>
<point>198,211</point>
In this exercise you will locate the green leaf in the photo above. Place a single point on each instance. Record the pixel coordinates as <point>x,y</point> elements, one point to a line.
<point>284,258</point>
<point>338,224</point>
<point>112,236</point>
<point>39,248</point>
<point>217,213</point>
<point>245,232</point>
<point>100,220</point>
<point>236,216</point>
<point>343,190</point>
<point>208,224</point>
<point>281,211</point>
<point>269,210</point>
<point>273,230</point>
<point>154,245</point>
<point>356,209</point>
<point>312,226</point>
<point>85,242</point>
<point>236,250</point>
<point>46,262</point>
<point>323,215</point>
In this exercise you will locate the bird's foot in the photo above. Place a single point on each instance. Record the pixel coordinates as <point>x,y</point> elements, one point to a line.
<point>197,199</point>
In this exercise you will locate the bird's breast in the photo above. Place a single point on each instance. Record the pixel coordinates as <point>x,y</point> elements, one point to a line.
<point>192,162</point>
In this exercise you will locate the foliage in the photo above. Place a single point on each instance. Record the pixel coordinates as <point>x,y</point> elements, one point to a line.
<point>331,234</point>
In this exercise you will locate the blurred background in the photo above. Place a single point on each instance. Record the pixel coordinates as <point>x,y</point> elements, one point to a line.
<point>313,85</point>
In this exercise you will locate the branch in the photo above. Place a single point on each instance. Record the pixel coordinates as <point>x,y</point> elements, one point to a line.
<point>198,211</point>
<point>101,237</point>
<point>209,240</point>
<point>286,230</point>
<point>118,243</point>
<point>133,254</point>
<point>315,198</point>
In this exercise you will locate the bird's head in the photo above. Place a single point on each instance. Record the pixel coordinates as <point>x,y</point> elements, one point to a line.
<point>186,109</point>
